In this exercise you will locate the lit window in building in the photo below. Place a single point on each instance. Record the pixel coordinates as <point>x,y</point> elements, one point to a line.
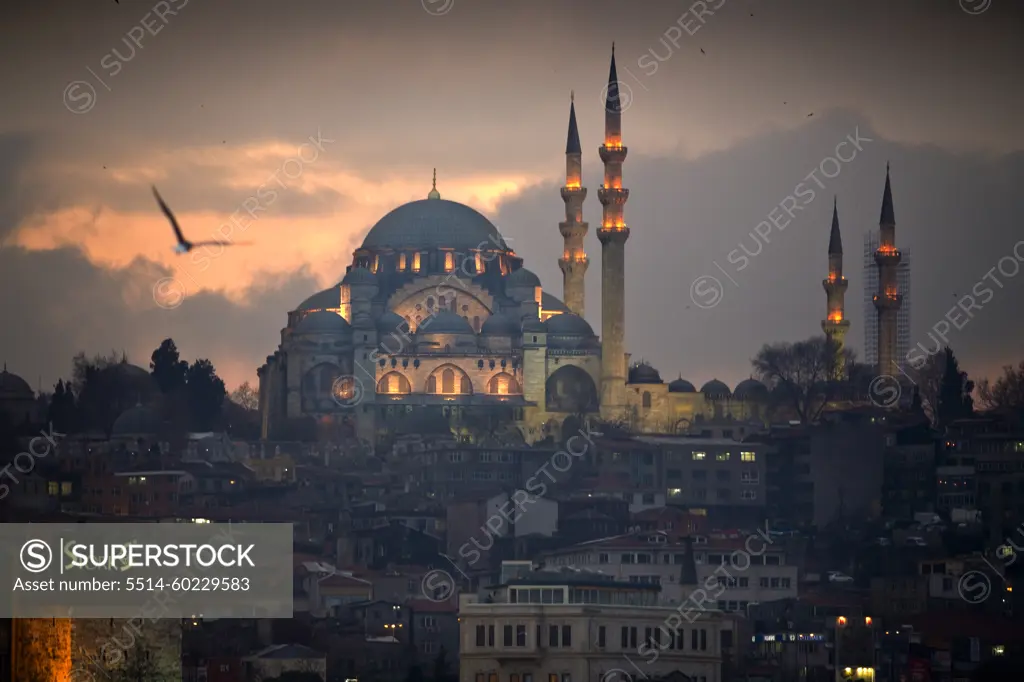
<point>449,261</point>
<point>376,264</point>
<point>401,262</point>
<point>700,455</point>
<point>479,262</point>
<point>416,262</point>
<point>748,457</point>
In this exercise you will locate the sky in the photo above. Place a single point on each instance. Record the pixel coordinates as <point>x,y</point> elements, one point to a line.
<point>339,111</point>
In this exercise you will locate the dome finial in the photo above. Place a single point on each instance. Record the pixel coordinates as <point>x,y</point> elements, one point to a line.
<point>434,194</point>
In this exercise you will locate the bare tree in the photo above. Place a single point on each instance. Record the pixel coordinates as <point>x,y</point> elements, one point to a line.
<point>928,378</point>
<point>801,375</point>
<point>1006,393</point>
<point>246,396</point>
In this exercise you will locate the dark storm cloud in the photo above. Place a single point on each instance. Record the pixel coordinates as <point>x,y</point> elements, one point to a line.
<point>957,214</point>
<point>64,305</point>
<point>16,152</point>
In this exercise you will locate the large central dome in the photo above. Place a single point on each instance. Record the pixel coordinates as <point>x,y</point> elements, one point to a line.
<point>434,224</point>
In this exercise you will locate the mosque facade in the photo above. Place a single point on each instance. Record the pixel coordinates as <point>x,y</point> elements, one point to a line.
<point>438,316</point>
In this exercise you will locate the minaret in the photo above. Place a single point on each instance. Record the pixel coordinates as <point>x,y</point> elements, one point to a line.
<point>835,325</point>
<point>574,261</point>
<point>887,300</point>
<point>613,235</point>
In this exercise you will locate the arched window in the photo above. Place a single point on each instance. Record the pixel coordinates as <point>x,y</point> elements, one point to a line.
<point>432,384</point>
<point>447,381</point>
<point>647,400</point>
<point>478,262</point>
<point>430,302</point>
<point>503,384</point>
<point>416,262</point>
<point>449,261</point>
<point>394,383</point>
<point>440,302</point>
<point>401,262</point>
<point>465,386</point>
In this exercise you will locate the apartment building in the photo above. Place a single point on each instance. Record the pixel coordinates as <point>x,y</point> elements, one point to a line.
<point>581,626</point>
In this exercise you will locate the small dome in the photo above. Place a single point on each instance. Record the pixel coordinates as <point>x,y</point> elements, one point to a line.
<point>432,224</point>
<point>681,385</point>
<point>522,278</point>
<point>13,386</point>
<point>323,300</point>
<point>445,322</point>
<point>323,322</point>
<point>359,276</point>
<point>391,323</point>
<point>715,389</point>
<point>643,373</point>
<point>500,325</point>
<point>750,389</point>
<point>568,324</point>
<point>136,421</point>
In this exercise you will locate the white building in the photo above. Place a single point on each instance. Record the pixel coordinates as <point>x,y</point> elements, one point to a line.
<point>580,626</point>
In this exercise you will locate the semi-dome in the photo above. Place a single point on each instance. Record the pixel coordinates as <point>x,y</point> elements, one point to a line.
<point>359,276</point>
<point>13,386</point>
<point>534,326</point>
<point>323,300</point>
<point>432,224</point>
<point>643,373</point>
<point>323,322</point>
<point>501,324</point>
<point>391,323</point>
<point>444,322</point>
<point>522,278</point>
<point>136,421</point>
<point>681,385</point>
<point>568,324</point>
<point>549,302</point>
<point>750,389</point>
<point>715,389</point>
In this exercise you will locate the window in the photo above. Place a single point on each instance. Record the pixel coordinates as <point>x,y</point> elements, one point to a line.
<point>700,455</point>
<point>480,637</point>
<point>749,477</point>
<point>628,637</point>
<point>566,677</point>
<point>449,261</point>
<point>693,640</point>
<point>722,457</point>
<point>479,677</point>
<point>52,488</point>
<point>748,494</point>
<point>520,635</point>
<point>602,558</point>
<point>490,635</point>
<point>748,456</point>
<point>429,647</point>
<point>647,400</point>
<point>506,636</point>
<point>566,635</point>
<point>552,635</point>
<point>429,622</point>
<point>602,640</point>
<point>415,262</point>
<point>703,640</point>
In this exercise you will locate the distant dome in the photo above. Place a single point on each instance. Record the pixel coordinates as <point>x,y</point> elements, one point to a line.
<point>643,373</point>
<point>535,326</point>
<point>501,324</point>
<point>750,389</point>
<point>323,300</point>
<point>715,389</point>
<point>13,386</point>
<point>433,224</point>
<point>549,302</point>
<point>445,322</point>
<point>681,385</point>
<point>359,276</point>
<point>323,322</point>
<point>136,421</point>
<point>391,323</point>
<point>522,278</point>
<point>568,324</point>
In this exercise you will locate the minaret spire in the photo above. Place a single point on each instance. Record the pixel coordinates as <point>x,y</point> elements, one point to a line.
<point>574,261</point>
<point>887,299</point>
<point>835,325</point>
<point>613,235</point>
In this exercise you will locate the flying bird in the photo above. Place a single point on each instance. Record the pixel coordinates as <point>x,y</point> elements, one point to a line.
<point>184,245</point>
<point>810,114</point>
<point>702,51</point>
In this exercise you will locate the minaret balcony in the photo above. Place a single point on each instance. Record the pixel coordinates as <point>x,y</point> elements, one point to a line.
<point>888,257</point>
<point>612,195</point>
<point>611,154</point>
<point>570,192</point>
<point>613,234</point>
<point>887,302</point>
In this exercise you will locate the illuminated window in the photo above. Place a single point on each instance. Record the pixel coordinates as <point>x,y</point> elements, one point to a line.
<point>52,488</point>
<point>376,264</point>
<point>479,263</point>
<point>449,261</point>
<point>416,262</point>
<point>722,457</point>
<point>65,488</point>
<point>748,457</point>
<point>700,455</point>
<point>401,262</point>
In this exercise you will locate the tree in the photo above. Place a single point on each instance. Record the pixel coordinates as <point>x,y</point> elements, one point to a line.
<point>61,411</point>
<point>206,393</point>
<point>246,396</point>
<point>168,369</point>
<point>102,392</point>
<point>954,401</point>
<point>441,666</point>
<point>928,379</point>
<point>799,375</point>
<point>1006,394</point>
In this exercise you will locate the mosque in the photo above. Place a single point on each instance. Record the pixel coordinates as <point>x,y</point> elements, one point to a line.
<point>437,315</point>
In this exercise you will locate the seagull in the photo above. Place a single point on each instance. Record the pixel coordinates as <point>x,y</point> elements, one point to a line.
<point>810,114</point>
<point>184,245</point>
<point>702,51</point>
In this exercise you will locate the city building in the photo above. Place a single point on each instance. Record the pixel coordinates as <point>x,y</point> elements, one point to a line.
<point>579,625</point>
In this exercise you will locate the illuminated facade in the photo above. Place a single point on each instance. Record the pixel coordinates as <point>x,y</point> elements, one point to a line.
<point>437,316</point>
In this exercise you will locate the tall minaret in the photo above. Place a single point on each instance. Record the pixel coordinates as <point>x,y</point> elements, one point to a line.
<point>574,261</point>
<point>835,324</point>
<point>888,299</point>
<point>613,235</point>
